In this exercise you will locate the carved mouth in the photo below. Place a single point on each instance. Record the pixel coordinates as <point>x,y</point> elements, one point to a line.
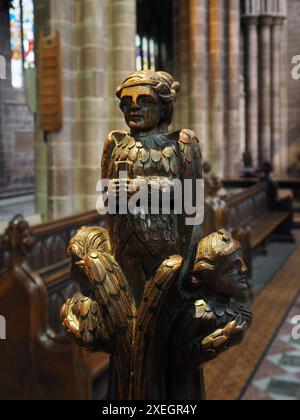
<point>243,283</point>
<point>136,117</point>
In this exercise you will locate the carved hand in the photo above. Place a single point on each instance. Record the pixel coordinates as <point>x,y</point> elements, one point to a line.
<point>204,348</point>
<point>125,186</point>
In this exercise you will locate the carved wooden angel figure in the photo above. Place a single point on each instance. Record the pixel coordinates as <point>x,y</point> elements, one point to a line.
<point>136,277</point>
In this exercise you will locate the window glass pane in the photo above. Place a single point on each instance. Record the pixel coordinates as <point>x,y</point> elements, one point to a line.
<point>16,44</point>
<point>28,33</point>
<point>139,53</point>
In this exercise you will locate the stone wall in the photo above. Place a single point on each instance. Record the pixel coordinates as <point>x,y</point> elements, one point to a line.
<point>98,51</point>
<point>221,96</point>
<point>207,63</point>
<point>294,85</point>
<point>16,126</point>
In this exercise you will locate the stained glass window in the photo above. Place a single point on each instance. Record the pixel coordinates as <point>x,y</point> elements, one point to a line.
<point>21,39</point>
<point>154,41</point>
<point>28,33</point>
<point>16,45</point>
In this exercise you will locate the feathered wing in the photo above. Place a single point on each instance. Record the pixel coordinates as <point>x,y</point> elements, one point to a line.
<point>191,158</point>
<point>81,316</point>
<point>114,144</point>
<point>101,317</point>
<point>112,294</point>
<point>84,324</point>
<point>149,317</point>
<point>113,297</point>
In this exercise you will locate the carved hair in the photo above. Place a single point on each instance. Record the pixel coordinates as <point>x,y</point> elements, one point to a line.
<point>214,250</point>
<point>163,84</point>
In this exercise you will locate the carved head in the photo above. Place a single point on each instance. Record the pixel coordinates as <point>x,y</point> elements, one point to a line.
<point>219,265</point>
<point>206,167</point>
<point>147,100</point>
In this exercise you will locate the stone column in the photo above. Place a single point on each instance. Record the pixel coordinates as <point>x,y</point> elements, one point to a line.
<point>183,60</point>
<point>233,141</point>
<point>198,66</point>
<point>5,52</point>
<point>242,114</point>
<point>91,127</point>
<point>277,140</point>
<point>284,98</point>
<point>120,53</point>
<point>42,25</point>
<point>216,85</point>
<point>251,72</point>
<point>61,181</point>
<point>265,78</point>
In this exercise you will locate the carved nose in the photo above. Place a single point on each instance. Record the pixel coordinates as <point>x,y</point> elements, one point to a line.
<point>134,106</point>
<point>244,268</point>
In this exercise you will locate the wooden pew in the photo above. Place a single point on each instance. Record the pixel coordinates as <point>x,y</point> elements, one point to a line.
<point>253,222</point>
<point>37,360</point>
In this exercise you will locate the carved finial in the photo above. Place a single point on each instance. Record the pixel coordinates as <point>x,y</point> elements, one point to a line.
<point>18,236</point>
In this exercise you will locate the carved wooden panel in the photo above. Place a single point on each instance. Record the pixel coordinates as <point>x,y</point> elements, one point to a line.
<point>57,296</point>
<point>50,89</point>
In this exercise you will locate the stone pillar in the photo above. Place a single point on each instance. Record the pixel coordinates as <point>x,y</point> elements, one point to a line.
<point>265,79</point>
<point>69,160</point>
<point>183,60</point>
<point>242,114</point>
<point>56,152</point>
<point>42,26</point>
<point>277,140</point>
<point>285,75</point>
<point>120,53</point>
<point>251,73</point>
<point>61,145</point>
<point>91,127</point>
<point>216,85</point>
<point>233,141</point>
<point>198,66</point>
<point>293,49</point>
<point>4,51</point>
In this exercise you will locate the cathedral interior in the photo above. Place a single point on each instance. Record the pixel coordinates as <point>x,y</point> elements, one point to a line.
<point>231,71</point>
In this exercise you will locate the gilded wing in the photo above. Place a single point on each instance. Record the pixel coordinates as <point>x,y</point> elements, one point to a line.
<point>148,321</point>
<point>115,302</point>
<point>111,291</point>
<point>85,239</point>
<point>83,323</point>
<point>155,293</point>
<point>100,278</point>
<point>102,317</point>
<point>191,162</point>
<point>113,144</point>
<point>191,155</point>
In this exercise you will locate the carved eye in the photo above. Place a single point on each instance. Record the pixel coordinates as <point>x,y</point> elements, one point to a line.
<point>125,103</point>
<point>145,101</point>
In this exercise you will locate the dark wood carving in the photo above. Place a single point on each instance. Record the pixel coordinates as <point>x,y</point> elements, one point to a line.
<point>50,83</point>
<point>154,294</point>
<point>38,361</point>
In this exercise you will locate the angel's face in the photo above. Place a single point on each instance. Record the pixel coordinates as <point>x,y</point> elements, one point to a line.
<point>141,107</point>
<point>232,276</point>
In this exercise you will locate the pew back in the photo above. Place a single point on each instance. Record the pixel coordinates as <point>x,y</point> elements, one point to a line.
<point>40,362</point>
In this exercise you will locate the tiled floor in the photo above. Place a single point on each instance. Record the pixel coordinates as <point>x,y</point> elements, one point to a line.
<point>278,375</point>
